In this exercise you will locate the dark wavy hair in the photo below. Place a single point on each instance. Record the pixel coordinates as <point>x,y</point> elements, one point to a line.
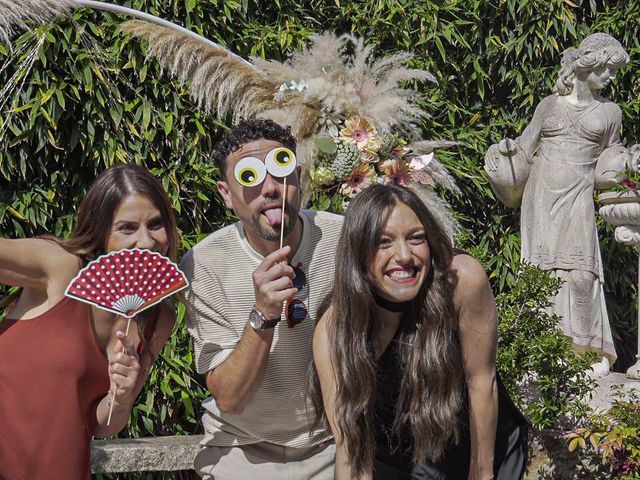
<point>432,377</point>
<point>247,131</point>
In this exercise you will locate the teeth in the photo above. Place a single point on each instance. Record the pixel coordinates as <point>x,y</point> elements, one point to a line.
<point>400,274</point>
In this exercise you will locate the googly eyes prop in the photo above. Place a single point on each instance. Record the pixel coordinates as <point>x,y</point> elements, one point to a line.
<point>280,162</point>
<point>250,171</point>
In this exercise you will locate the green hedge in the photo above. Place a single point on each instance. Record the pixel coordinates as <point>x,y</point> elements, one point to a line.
<point>91,100</point>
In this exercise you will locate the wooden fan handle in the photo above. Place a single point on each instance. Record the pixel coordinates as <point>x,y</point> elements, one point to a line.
<point>113,396</point>
<point>111,402</point>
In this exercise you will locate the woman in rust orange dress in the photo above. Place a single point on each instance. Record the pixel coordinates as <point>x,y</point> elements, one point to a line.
<point>63,362</point>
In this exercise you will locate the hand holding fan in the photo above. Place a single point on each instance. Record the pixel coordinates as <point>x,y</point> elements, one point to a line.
<point>127,282</point>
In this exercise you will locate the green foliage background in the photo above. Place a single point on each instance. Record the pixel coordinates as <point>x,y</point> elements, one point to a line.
<point>91,100</point>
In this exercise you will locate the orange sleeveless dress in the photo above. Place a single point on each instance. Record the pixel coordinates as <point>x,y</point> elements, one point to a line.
<point>52,377</point>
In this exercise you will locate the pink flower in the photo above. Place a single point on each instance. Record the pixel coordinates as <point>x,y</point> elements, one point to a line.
<point>396,171</point>
<point>628,183</point>
<point>369,157</point>
<point>359,130</point>
<point>361,177</point>
<point>400,151</point>
<point>420,176</point>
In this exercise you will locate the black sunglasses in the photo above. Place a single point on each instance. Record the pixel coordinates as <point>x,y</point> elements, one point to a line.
<point>295,311</point>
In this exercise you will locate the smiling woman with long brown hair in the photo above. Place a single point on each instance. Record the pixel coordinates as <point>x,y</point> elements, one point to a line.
<point>64,363</point>
<point>405,350</point>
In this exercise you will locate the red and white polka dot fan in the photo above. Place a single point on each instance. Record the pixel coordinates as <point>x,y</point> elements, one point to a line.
<point>128,281</point>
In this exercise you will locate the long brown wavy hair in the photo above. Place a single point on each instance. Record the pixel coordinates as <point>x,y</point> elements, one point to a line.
<point>432,383</point>
<point>97,209</point>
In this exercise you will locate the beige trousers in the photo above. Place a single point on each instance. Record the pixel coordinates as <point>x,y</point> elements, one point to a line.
<point>266,461</point>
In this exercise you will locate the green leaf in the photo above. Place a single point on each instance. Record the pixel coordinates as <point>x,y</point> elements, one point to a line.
<point>16,214</point>
<point>324,202</point>
<point>440,48</point>
<point>325,144</point>
<point>168,123</point>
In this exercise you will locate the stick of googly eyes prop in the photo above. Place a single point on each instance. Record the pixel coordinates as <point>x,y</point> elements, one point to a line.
<point>279,163</point>
<point>284,197</point>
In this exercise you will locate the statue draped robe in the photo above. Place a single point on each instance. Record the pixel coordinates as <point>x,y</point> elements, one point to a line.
<point>558,215</point>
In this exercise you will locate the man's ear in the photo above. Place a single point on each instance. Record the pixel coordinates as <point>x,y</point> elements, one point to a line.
<point>223,188</point>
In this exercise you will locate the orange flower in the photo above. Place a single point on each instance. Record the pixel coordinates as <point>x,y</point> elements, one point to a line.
<point>362,176</point>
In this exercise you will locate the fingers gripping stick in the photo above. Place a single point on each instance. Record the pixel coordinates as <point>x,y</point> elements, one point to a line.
<point>112,395</point>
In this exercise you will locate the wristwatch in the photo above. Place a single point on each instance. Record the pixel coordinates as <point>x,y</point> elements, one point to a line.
<point>259,322</point>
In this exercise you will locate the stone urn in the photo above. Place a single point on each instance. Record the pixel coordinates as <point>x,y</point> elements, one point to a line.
<point>622,209</point>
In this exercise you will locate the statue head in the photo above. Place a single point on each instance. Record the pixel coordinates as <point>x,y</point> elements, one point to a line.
<point>597,51</point>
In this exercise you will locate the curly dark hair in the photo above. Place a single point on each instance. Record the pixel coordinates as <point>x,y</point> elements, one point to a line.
<point>247,131</point>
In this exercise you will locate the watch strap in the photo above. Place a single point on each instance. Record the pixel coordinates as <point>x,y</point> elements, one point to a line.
<point>265,323</point>
<point>270,323</point>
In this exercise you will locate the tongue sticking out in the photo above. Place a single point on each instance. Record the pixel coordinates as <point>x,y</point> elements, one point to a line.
<point>274,215</point>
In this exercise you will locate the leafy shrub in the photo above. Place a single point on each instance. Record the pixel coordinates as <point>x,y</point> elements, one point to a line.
<point>613,435</point>
<point>537,362</point>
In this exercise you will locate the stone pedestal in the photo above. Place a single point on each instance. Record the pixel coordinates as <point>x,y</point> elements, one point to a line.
<point>602,397</point>
<point>622,209</point>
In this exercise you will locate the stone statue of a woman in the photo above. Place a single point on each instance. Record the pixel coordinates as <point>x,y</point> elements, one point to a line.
<point>571,146</point>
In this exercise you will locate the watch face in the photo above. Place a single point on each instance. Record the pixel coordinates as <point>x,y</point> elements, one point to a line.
<point>255,319</point>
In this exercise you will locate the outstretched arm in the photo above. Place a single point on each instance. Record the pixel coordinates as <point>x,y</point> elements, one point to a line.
<point>526,144</point>
<point>528,141</point>
<point>477,325</point>
<point>34,263</point>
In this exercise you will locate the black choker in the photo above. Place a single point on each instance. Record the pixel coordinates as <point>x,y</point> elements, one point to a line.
<point>396,307</point>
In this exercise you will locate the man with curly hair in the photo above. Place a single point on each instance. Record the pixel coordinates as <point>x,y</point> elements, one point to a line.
<point>251,310</point>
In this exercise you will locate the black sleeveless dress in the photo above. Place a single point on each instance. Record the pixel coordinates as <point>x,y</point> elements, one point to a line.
<point>393,461</point>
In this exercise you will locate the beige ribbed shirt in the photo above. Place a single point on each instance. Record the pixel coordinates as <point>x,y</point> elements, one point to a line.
<point>218,304</point>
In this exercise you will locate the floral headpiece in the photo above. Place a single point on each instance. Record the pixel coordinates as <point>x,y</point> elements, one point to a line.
<point>355,120</point>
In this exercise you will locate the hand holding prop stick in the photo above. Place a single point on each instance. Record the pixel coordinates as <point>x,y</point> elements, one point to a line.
<point>126,282</point>
<point>112,396</point>
<point>279,162</point>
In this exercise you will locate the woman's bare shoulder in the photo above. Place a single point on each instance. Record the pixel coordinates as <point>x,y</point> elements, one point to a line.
<point>321,334</point>
<point>472,282</point>
<point>468,269</point>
